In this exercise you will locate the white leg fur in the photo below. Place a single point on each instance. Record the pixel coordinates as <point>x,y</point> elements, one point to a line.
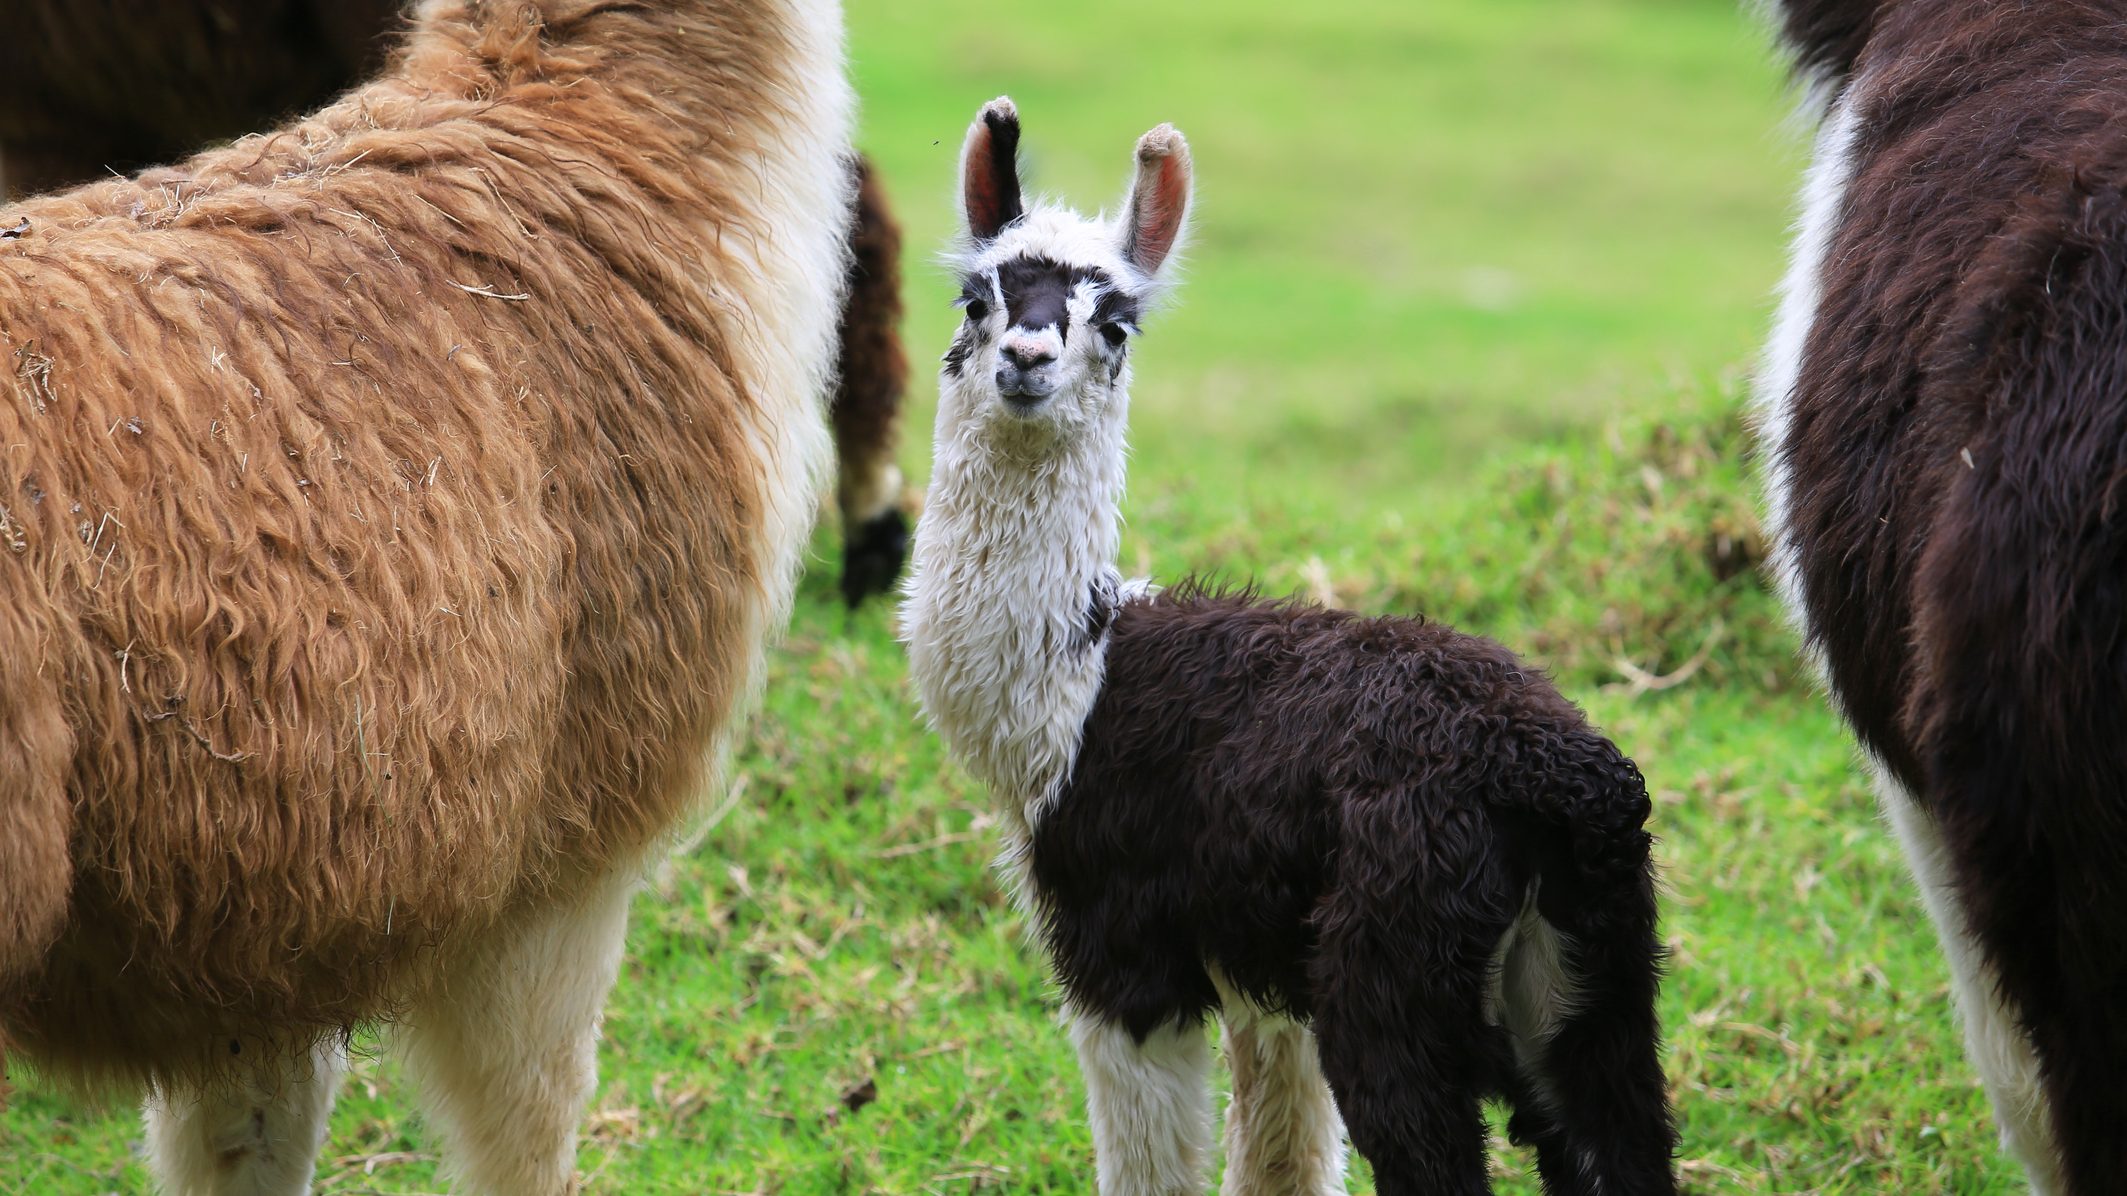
<point>1823,194</point>
<point>1150,1105</point>
<point>1283,1135</point>
<point>257,1136</point>
<point>1998,1047</point>
<point>506,1054</point>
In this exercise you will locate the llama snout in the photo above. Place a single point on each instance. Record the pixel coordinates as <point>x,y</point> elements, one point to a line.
<point>1027,369</point>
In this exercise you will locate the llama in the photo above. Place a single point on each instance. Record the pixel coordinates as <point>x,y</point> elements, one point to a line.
<point>871,383</point>
<point>90,89</point>
<point>392,512</point>
<point>1944,450</point>
<point>1403,869</point>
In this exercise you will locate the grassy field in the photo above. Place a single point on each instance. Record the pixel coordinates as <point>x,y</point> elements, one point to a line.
<point>1472,291</point>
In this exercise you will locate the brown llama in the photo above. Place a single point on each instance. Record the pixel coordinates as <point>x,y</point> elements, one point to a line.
<point>1945,416</point>
<point>392,510</point>
<point>89,87</point>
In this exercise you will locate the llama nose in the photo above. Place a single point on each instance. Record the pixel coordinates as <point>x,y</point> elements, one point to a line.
<point>1027,354</point>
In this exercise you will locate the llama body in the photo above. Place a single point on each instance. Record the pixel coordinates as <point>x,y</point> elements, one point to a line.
<point>444,460</point>
<point>1945,425</point>
<point>92,87</point>
<point>1391,857</point>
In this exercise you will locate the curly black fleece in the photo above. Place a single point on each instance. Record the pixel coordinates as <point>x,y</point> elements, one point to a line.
<point>1343,815</point>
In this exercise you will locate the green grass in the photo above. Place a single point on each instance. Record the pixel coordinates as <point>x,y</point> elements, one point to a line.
<point>1472,285</point>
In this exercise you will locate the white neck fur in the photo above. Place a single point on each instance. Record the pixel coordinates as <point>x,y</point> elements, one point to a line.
<point>1017,539</point>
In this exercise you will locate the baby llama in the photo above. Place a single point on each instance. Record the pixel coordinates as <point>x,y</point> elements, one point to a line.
<point>1403,870</point>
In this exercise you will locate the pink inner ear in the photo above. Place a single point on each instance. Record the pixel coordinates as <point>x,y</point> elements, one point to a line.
<point>1159,214</point>
<point>979,187</point>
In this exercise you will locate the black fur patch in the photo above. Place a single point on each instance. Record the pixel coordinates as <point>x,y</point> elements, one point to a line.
<point>1825,36</point>
<point>1037,294</point>
<point>872,555</point>
<point>1343,815</point>
<point>992,182</point>
<point>957,353</point>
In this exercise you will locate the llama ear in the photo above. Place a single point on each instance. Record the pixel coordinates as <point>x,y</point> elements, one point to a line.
<point>989,170</point>
<point>1159,199</point>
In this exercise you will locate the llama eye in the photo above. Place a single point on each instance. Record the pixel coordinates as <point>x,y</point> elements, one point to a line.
<point>977,311</point>
<point>1116,333</point>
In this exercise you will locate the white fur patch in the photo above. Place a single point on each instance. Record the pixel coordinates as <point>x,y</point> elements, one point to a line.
<point>1823,195</point>
<point>1531,993</point>
<point>1149,1104</point>
<point>792,299</point>
<point>1016,530</point>
<point>257,1137</point>
<point>1997,1045</point>
<point>1283,1134</point>
<point>505,1051</point>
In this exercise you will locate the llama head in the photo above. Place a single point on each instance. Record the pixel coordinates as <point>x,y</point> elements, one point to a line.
<point>1051,298</point>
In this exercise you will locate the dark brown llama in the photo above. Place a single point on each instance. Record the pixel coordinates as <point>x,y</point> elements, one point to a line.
<point>1944,409</point>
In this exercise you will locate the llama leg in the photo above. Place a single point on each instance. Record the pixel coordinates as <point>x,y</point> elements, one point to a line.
<point>1998,1047</point>
<point>1283,1135</point>
<point>256,1135</point>
<point>1150,1105</point>
<point>1579,1010</point>
<point>506,1054</point>
<point>866,409</point>
<point>1399,1000</point>
<point>1405,1058</point>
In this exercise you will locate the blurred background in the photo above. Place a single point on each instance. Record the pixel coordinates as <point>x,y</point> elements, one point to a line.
<point>1424,229</point>
<point>1468,312</point>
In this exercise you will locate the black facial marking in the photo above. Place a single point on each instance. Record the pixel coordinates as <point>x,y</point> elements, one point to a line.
<point>1037,294</point>
<point>1116,316</point>
<point>956,354</point>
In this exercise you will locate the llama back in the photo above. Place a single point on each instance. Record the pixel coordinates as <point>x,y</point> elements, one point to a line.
<point>403,498</point>
<point>1229,727</point>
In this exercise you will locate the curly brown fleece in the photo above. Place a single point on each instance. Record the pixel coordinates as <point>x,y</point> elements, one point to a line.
<point>88,87</point>
<point>381,521</point>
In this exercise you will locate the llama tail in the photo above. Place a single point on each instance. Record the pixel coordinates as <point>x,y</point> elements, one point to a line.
<point>866,409</point>
<point>1587,975</point>
<point>2017,713</point>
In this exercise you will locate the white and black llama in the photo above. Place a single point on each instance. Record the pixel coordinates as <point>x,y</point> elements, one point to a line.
<point>1944,406</point>
<point>1391,856</point>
